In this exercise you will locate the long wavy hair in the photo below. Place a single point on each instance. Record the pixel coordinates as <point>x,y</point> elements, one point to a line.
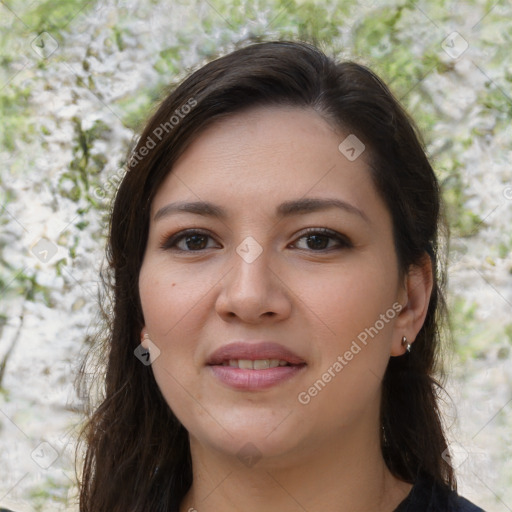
<point>136,453</point>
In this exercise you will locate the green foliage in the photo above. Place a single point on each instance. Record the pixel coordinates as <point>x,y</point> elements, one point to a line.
<point>84,168</point>
<point>14,112</point>
<point>310,21</point>
<point>473,336</point>
<point>136,109</point>
<point>50,15</point>
<point>508,333</point>
<point>50,491</point>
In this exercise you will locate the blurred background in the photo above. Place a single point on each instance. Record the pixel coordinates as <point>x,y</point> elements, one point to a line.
<point>77,81</point>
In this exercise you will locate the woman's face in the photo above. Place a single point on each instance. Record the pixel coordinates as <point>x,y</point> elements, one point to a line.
<point>268,246</point>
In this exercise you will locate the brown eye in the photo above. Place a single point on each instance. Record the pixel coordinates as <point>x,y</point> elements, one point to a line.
<point>187,241</point>
<point>196,242</point>
<point>317,241</point>
<point>323,239</point>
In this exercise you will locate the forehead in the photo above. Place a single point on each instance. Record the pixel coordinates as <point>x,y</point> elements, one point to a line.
<point>265,156</point>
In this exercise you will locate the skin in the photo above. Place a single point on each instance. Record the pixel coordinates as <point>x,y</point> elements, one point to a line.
<point>324,455</point>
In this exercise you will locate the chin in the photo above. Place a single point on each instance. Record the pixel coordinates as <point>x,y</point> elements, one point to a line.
<point>255,436</point>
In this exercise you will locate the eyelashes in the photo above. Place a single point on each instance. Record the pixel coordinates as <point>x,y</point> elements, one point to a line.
<point>323,234</point>
<point>199,240</point>
<point>193,235</point>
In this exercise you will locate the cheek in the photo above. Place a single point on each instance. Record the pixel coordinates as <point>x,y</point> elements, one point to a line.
<point>167,297</point>
<point>176,378</point>
<point>175,305</point>
<point>166,300</point>
<point>345,381</point>
<point>349,298</point>
<point>354,304</point>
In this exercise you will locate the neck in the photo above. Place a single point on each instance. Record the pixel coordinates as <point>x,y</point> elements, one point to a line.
<point>348,475</point>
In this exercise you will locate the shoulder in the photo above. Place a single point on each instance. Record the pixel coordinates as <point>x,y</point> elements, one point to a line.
<point>427,495</point>
<point>449,501</point>
<point>460,504</point>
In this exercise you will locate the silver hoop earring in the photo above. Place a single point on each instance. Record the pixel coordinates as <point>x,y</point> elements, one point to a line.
<point>406,344</point>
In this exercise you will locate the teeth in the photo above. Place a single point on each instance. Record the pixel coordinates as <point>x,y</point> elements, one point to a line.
<point>246,364</point>
<point>259,364</point>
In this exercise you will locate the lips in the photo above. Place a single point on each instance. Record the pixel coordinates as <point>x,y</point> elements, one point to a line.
<point>253,352</point>
<point>249,366</point>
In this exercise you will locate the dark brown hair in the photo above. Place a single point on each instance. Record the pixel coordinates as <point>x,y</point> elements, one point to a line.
<point>137,452</point>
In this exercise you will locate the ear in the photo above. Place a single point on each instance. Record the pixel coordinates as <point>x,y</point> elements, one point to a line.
<point>414,297</point>
<point>144,338</point>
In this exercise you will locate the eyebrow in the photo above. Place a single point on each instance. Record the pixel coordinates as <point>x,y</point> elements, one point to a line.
<point>286,209</point>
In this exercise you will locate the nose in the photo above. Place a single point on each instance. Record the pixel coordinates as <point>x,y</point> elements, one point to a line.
<point>253,292</point>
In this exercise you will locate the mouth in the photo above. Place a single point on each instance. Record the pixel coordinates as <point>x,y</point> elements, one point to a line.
<point>254,366</point>
<point>254,355</point>
<point>258,364</point>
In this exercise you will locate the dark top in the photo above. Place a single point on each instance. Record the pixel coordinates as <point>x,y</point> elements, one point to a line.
<point>429,496</point>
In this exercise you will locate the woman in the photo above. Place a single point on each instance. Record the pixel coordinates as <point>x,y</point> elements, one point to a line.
<point>276,301</point>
